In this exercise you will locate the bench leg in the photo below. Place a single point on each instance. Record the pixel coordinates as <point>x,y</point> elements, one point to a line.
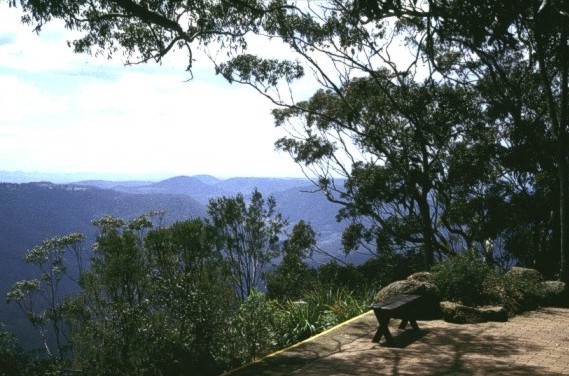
<point>383,330</point>
<point>414,325</point>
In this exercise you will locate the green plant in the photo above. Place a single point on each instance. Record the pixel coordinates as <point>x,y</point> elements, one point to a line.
<point>464,279</point>
<point>318,311</point>
<point>292,277</point>
<point>256,323</point>
<point>523,290</point>
<point>12,362</point>
<point>247,234</point>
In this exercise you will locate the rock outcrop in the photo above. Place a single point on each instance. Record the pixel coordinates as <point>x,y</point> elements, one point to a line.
<point>461,314</point>
<point>420,276</point>
<point>524,272</point>
<point>556,294</point>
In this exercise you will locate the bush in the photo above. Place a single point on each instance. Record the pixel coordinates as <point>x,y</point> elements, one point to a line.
<point>318,311</point>
<point>12,362</point>
<point>464,279</point>
<point>524,290</point>
<point>290,280</point>
<point>256,322</point>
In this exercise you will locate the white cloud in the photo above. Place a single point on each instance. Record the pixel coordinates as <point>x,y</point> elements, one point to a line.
<point>61,112</point>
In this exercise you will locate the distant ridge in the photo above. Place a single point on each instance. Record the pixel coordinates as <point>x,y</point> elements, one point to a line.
<point>207,179</point>
<point>64,178</point>
<point>183,185</point>
<point>264,185</point>
<point>179,185</point>
<point>106,184</point>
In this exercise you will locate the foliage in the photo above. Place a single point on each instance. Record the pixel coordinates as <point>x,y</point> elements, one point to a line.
<point>467,280</point>
<point>407,134</point>
<point>12,360</point>
<point>42,300</point>
<point>372,274</point>
<point>319,310</point>
<point>522,291</point>
<point>247,234</point>
<point>463,279</point>
<point>256,322</point>
<point>292,277</point>
<point>164,288</point>
<point>160,300</point>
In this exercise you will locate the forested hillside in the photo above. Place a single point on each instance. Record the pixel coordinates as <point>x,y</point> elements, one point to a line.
<point>33,212</point>
<point>296,199</point>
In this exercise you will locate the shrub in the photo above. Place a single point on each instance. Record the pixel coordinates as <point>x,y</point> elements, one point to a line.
<point>523,290</point>
<point>318,311</point>
<point>464,279</point>
<point>256,322</point>
<point>12,362</point>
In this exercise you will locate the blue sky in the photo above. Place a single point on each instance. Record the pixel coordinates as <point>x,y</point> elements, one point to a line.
<point>63,112</point>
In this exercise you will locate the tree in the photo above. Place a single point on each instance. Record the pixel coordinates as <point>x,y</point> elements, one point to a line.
<point>292,277</point>
<point>247,234</point>
<point>155,300</point>
<point>537,32</point>
<point>399,139</point>
<point>42,300</point>
<point>146,31</point>
<point>475,46</point>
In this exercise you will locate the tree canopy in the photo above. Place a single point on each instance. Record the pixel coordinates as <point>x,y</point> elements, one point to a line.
<point>447,120</point>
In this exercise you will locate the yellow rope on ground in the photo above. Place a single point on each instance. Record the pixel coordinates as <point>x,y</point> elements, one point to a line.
<point>296,344</point>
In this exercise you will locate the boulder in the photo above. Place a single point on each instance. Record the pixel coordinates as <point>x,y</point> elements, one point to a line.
<point>420,276</point>
<point>461,314</point>
<point>556,294</point>
<point>408,286</point>
<point>430,304</point>
<point>524,289</point>
<point>524,272</point>
<point>494,313</point>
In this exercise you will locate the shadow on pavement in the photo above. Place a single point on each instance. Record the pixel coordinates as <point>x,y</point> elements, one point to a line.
<point>438,349</point>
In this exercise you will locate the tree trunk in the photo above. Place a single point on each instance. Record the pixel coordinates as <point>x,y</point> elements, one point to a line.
<point>559,117</point>
<point>426,228</point>
<point>563,214</point>
<point>562,154</point>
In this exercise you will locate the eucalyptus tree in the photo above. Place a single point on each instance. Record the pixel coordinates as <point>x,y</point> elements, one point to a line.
<point>521,49</point>
<point>43,300</point>
<point>247,234</point>
<point>293,277</point>
<point>512,54</point>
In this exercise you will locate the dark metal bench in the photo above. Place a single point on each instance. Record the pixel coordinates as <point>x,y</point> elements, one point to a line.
<point>404,307</point>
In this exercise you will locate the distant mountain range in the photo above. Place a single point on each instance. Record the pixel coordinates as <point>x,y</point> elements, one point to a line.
<point>201,187</point>
<point>295,199</point>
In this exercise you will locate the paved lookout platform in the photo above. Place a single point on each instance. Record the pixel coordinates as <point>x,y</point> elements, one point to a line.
<point>534,343</point>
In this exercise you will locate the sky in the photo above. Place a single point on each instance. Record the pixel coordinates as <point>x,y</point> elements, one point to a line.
<point>62,112</point>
